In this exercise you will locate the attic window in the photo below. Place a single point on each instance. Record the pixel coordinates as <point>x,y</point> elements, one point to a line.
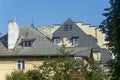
<point>27,42</point>
<point>56,40</point>
<point>75,41</point>
<point>68,27</point>
<point>97,56</point>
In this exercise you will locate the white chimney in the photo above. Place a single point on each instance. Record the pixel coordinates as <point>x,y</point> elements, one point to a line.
<point>13,34</point>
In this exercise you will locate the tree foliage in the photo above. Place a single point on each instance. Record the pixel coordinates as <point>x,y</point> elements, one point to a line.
<point>29,75</point>
<point>111,26</point>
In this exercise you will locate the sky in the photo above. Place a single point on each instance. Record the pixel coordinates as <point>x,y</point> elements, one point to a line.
<point>49,12</point>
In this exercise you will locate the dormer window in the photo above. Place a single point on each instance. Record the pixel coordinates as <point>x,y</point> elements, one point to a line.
<point>68,27</point>
<point>75,41</point>
<point>27,42</point>
<point>56,40</point>
<point>97,56</point>
<point>71,27</point>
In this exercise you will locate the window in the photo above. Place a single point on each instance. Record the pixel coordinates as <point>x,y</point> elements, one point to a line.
<point>71,27</point>
<point>27,42</point>
<point>56,40</point>
<point>68,27</point>
<point>75,41</point>
<point>20,64</point>
<point>96,56</point>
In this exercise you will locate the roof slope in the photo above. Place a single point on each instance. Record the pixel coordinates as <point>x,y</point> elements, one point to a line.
<point>105,55</point>
<point>84,39</point>
<point>41,46</point>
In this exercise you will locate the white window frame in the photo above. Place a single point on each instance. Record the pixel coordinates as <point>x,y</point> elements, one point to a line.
<point>56,40</point>
<point>27,43</point>
<point>75,41</point>
<point>21,63</point>
<point>97,56</point>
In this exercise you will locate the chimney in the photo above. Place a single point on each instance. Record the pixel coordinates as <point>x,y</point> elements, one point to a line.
<point>13,34</point>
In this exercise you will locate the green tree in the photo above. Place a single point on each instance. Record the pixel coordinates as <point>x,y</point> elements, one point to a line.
<point>111,26</point>
<point>29,75</point>
<point>61,68</point>
<point>18,75</point>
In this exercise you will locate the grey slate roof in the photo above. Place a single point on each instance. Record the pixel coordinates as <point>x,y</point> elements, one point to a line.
<point>42,46</point>
<point>80,51</point>
<point>105,55</point>
<point>84,39</point>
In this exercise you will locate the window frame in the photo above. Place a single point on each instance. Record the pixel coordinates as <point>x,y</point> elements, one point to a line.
<point>20,64</point>
<point>75,41</point>
<point>68,27</point>
<point>27,43</point>
<point>97,56</point>
<point>56,40</point>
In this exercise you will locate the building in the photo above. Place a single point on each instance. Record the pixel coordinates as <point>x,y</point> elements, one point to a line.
<point>78,34</point>
<point>23,47</point>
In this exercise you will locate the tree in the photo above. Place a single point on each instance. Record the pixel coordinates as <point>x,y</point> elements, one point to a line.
<point>66,68</point>
<point>29,75</point>
<point>17,76</point>
<point>111,26</point>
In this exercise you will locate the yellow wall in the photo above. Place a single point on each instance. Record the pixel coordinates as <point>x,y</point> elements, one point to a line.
<point>66,42</point>
<point>8,65</point>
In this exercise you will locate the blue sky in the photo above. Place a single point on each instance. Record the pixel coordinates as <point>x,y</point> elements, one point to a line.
<point>48,12</point>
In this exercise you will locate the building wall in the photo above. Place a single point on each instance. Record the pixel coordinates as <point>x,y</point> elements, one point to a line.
<point>7,65</point>
<point>94,31</point>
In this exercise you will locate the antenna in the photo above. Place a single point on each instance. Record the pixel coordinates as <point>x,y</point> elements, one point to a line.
<point>32,25</point>
<point>15,18</point>
<point>32,20</point>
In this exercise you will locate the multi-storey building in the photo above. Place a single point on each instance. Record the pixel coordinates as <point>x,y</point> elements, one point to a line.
<point>23,47</point>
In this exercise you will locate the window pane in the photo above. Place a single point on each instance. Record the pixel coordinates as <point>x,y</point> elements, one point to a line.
<point>71,27</point>
<point>25,44</point>
<point>18,67</point>
<point>23,64</point>
<point>56,41</point>
<point>66,27</point>
<point>20,64</point>
<point>75,41</point>
<point>96,56</point>
<point>29,43</point>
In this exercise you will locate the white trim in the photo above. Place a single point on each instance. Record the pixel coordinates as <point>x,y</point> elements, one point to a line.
<point>22,64</point>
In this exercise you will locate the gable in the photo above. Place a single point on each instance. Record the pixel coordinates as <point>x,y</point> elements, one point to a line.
<point>84,39</point>
<point>41,45</point>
